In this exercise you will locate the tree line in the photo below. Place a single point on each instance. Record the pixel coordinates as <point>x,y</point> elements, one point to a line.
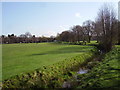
<point>25,38</point>
<point>79,33</point>
<point>105,30</point>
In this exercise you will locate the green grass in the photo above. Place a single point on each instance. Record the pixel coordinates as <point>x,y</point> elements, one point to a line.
<point>106,74</point>
<point>22,58</point>
<point>92,42</point>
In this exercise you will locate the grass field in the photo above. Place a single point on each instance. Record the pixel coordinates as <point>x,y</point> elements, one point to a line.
<point>21,58</point>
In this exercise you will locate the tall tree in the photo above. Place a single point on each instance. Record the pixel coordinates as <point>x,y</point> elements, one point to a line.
<point>28,36</point>
<point>107,23</point>
<point>78,32</point>
<point>88,29</point>
<point>97,30</point>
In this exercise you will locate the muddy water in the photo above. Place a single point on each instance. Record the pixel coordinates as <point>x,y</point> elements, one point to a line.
<point>67,84</point>
<point>82,71</point>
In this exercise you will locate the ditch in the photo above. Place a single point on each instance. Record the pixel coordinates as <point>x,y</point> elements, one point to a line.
<point>84,69</point>
<point>57,76</point>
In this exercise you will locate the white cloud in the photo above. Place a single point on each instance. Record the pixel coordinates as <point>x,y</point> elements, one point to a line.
<point>77,15</point>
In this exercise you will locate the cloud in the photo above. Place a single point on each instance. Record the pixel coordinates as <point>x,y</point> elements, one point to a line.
<point>77,15</point>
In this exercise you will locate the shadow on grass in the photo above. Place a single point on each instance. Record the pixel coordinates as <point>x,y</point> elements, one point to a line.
<point>40,54</point>
<point>65,50</point>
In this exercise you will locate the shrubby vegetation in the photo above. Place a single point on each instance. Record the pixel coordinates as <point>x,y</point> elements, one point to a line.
<point>104,75</point>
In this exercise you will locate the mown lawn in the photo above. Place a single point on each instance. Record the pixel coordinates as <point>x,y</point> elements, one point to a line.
<point>21,58</point>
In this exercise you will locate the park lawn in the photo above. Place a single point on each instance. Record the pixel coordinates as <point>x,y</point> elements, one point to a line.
<point>21,58</point>
<point>92,42</point>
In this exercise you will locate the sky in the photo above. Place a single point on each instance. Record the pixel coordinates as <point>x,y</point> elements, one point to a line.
<point>119,11</point>
<point>46,18</point>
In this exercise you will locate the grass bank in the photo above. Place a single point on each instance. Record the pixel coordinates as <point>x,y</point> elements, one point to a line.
<point>51,76</point>
<point>105,74</point>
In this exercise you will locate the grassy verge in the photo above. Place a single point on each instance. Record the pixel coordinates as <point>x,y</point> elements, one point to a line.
<point>79,43</point>
<point>51,76</point>
<point>105,75</point>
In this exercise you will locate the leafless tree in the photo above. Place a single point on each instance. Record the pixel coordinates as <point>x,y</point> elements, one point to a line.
<point>88,29</point>
<point>78,32</point>
<point>64,36</point>
<point>107,24</point>
<point>97,30</point>
<point>28,36</point>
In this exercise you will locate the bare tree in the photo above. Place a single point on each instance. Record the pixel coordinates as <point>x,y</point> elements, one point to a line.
<point>97,30</point>
<point>64,36</point>
<point>107,23</point>
<point>88,29</point>
<point>28,36</point>
<point>78,32</point>
<point>22,38</point>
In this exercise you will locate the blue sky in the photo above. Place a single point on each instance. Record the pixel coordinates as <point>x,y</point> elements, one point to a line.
<point>46,18</point>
